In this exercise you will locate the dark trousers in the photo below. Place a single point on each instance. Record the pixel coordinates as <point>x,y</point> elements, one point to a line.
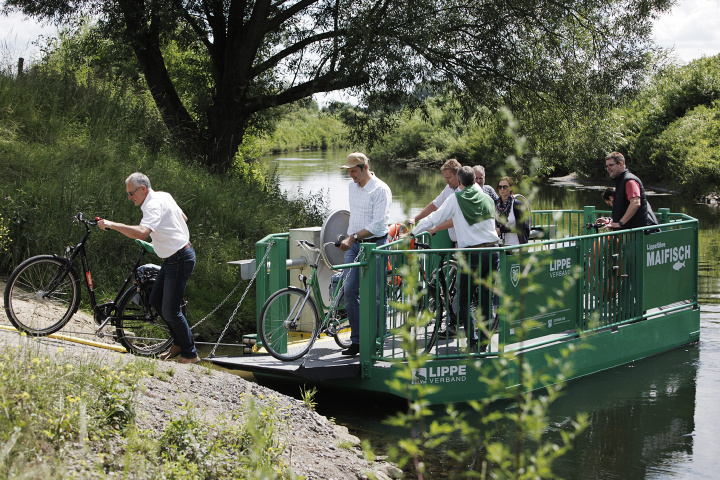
<point>167,298</point>
<point>481,265</point>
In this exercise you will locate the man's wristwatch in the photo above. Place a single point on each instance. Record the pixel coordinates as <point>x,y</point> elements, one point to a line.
<point>621,224</point>
<point>355,236</point>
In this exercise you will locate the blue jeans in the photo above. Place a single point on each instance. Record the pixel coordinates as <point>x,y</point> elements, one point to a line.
<point>167,298</point>
<point>352,291</point>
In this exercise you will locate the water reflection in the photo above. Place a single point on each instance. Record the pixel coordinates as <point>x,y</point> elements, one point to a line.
<point>654,419</point>
<point>319,173</point>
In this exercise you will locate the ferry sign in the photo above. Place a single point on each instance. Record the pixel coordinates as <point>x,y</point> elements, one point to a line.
<point>439,374</point>
<point>553,275</point>
<point>669,267</point>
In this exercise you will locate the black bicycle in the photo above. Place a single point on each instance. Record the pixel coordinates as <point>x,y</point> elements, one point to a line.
<point>440,283</point>
<point>43,293</point>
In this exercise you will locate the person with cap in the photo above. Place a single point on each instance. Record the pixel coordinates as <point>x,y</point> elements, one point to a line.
<point>473,214</point>
<point>164,221</point>
<point>370,200</point>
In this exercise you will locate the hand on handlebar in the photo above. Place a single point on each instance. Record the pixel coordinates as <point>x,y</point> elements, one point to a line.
<point>603,221</point>
<point>102,223</point>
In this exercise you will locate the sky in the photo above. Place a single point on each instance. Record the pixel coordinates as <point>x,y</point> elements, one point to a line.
<point>692,28</point>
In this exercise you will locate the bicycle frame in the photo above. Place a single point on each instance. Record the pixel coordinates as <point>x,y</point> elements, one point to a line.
<point>312,286</point>
<point>100,310</point>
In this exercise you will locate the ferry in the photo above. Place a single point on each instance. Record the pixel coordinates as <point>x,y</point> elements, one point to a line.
<point>575,296</point>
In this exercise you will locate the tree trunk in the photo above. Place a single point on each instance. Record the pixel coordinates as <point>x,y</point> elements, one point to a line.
<point>145,42</point>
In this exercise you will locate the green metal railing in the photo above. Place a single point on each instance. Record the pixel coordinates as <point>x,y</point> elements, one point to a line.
<point>568,282</point>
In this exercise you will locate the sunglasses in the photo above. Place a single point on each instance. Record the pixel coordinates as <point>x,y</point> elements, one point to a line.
<point>503,187</point>
<point>130,194</point>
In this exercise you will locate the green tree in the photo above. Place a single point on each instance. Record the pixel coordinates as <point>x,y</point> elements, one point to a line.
<point>260,54</point>
<point>668,131</point>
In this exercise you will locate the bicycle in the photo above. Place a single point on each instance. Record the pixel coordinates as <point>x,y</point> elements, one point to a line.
<point>290,319</point>
<point>43,293</point>
<point>441,286</point>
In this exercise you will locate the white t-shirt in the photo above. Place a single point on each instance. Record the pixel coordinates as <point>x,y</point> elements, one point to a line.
<point>468,235</point>
<point>511,238</point>
<point>440,199</point>
<point>164,218</point>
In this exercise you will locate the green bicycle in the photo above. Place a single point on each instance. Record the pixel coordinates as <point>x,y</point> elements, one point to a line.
<point>293,318</point>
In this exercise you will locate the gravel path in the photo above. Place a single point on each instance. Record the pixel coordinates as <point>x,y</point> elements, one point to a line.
<point>316,447</point>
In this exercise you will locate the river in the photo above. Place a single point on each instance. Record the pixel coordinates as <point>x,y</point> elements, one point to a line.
<point>657,418</point>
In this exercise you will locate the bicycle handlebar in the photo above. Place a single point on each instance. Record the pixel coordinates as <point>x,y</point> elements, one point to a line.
<point>596,226</point>
<point>424,246</point>
<point>79,218</point>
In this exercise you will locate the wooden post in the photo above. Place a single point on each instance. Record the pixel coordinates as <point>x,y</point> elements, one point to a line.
<point>20,66</point>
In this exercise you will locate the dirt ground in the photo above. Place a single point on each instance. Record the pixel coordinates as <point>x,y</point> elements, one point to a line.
<point>313,443</point>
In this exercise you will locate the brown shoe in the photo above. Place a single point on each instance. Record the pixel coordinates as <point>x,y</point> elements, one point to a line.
<point>190,360</point>
<point>172,353</point>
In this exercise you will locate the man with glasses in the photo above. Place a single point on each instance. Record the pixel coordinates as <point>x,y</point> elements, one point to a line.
<point>630,205</point>
<point>164,221</point>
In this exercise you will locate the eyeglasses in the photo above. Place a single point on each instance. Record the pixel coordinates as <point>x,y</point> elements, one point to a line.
<point>610,165</point>
<point>130,194</point>
<point>503,187</point>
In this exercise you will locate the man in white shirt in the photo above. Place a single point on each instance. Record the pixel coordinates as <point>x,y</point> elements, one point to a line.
<point>370,200</point>
<point>473,214</point>
<point>449,172</point>
<point>164,221</point>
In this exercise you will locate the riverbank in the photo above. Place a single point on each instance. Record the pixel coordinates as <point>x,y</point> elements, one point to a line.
<point>312,445</point>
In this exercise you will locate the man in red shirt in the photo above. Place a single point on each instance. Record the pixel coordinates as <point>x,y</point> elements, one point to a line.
<point>630,206</point>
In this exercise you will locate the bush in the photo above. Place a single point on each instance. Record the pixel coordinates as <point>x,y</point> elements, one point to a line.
<point>669,128</point>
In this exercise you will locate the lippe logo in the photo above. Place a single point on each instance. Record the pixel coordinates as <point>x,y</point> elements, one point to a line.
<point>515,275</point>
<point>443,374</point>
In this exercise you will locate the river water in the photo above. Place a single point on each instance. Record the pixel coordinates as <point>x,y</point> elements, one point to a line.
<point>657,418</point>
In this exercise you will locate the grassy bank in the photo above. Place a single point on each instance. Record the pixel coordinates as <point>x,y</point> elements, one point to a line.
<point>67,414</point>
<point>67,144</point>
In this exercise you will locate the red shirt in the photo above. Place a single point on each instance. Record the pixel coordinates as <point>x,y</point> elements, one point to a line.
<point>632,189</point>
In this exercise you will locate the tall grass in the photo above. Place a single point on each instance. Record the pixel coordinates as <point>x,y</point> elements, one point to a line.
<point>67,145</point>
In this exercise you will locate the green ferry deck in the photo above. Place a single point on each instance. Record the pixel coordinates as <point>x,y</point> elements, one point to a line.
<point>603,299</point>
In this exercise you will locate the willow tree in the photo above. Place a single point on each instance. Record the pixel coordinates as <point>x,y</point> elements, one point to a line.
<point>261,54</point>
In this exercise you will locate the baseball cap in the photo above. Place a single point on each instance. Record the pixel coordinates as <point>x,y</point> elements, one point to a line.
<point>355,159</point>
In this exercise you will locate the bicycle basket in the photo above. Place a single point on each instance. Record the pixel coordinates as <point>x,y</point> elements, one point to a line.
<point>146,274</point>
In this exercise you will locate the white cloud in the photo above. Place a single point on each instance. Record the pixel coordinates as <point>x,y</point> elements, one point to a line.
<point>692,28</point>
<point>19,36</point>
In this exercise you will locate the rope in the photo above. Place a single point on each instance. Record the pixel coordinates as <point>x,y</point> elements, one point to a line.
<point>261,265</point>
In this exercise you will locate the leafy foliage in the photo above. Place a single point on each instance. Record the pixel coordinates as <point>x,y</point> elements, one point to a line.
<point>63,416</point>
<point>67,146</point>
<point>306,127</point>
<point>669,131</point>
<point>503,440</point>
<point>216,68</point>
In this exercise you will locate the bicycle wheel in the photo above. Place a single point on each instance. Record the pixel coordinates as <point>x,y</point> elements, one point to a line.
<point>40,297</point>
<point>289,325</point>
<point>342,332</point>
<point>140,329</point>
